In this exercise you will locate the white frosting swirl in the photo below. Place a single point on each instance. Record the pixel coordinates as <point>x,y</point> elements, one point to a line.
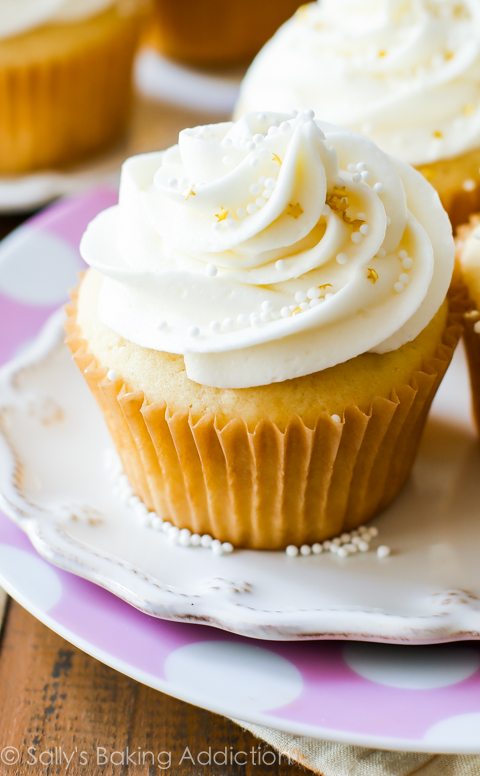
<point>268,249</point>
<point>18,16</point>
<point>404,72</point>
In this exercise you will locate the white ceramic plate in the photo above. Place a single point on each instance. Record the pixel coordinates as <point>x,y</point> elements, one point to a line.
<point>56,486</point>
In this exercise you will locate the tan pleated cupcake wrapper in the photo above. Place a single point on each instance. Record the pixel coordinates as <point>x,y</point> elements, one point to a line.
<point>59,109</point>
<point>471,338</point>
<point>472,347</point>
<point>267,488</point>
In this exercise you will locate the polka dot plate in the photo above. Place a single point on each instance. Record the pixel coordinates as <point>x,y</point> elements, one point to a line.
<point>422,698</point>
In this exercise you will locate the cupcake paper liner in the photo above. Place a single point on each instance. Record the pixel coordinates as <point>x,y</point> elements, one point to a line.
<point>266,488</point>
<point>471,338</point>
<point>472,347</point>
<point>60,108</point>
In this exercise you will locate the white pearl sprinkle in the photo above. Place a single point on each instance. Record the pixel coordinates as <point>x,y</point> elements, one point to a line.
<point>260,201</point>
<point>336,418</point>
<point>383,551</point>
<point>342,258</point>
<point>398,287</point>
<point>227,547</point>
<point>184,537</point>
<point>285,312</point>
<point>356,237</point>
<point>251,208</point>
<point>266,306</point>
<point>216,547</point>
<point>211,270</point>
<point>299,296</point>
<point>403,278</point>
<point>407,263</point>
<point>111,375</point>
<point>194,331</point>
<point>242,319</point>
<point>241,212</point>
<point>226,324</point>
<point>378,187</point>
<point>215,326</point>
<point>255,188</point>
<point>305,549</point>
<point>364,229</point>
<point>313,293</point>
<point>402,254</point>
<point>161,325</point>
<point>317,548</point>
<point>356,177</point>
<point>291,551</point>
<point>365,175</point>
<point>206,540</point>
<point>280,265</point>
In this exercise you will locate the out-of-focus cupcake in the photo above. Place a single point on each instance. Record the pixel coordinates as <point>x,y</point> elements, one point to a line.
<point>404,72</point>
<point>265,324</point>
<point>65,78</point>
<point>212,33</point>
<point>468,253</point>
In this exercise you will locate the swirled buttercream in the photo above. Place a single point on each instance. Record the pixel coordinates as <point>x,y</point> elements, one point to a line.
<point>18,16</point>
<point>270,248</point>
<point>404,72</point>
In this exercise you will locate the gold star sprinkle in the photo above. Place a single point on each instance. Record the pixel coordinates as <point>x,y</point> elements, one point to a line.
<point>337,199</point>
<point>372,275</point>
<point>324,286</point>
<point>437,134</point>
<point>276,158</point>
<point>468,109</point>
<point>449,55</point>
<point>296,310</point>
<point>382,53</point>
<point>294,209</point>
<point>222,214</point>
<point>190,193</point>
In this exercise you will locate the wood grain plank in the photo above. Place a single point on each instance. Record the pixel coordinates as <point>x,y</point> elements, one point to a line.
<point>56,699</point>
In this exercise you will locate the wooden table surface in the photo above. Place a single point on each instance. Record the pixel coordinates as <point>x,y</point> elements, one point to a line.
<point>60,705</point>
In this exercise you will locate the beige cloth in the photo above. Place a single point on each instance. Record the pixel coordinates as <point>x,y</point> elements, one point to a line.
<point>330,759</point>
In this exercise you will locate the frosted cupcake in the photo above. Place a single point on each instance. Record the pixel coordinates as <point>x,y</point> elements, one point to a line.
<point>65,78</point>
<point>214,33</point>
<point>468,252</point>
<point>404,72</point>
<point>265,324</point>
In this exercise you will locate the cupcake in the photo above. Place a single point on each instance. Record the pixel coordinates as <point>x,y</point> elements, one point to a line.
<point>264,324</point>
<point>213,33</point>
<point>468,253</point>
<point>404,72</point>
<point>65,79</point>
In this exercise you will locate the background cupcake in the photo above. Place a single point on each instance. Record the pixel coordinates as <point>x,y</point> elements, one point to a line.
<point>265,327</point>
<point>468,252</point>
<point>65,79</point>
<point>404,72</point>
<point>215,33</point>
